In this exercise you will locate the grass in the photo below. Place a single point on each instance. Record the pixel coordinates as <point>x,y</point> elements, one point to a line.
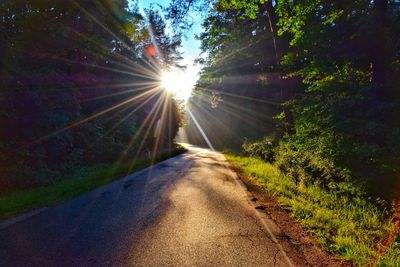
<point>392,256</point>
<point>347,224</point>
<point>82,180</point>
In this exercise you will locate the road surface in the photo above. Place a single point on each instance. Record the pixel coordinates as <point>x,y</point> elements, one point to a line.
<point>186,211</point>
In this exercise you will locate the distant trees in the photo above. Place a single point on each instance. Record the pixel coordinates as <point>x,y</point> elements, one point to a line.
<point>68,70</point>
<point>240,68</point>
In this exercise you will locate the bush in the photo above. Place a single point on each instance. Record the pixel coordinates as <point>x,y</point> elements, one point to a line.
<point>263,149</point>
<point>306,166</point>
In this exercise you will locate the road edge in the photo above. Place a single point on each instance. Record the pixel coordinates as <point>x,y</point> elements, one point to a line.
<point>301,247</point>
<point>4,223</point>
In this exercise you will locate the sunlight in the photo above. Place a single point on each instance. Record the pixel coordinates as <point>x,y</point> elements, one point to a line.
<point>179,82</point>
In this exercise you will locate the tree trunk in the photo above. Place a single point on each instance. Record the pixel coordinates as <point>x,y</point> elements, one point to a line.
<point>280,47</point>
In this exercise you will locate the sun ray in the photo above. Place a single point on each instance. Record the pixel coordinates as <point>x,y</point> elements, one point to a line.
<point>276,103</point>
<point>240,112</point>
<point>130,63</point>
<point>233,53</point>
<point>130,73</point>
<point>128,91</point>
<point>91,117</point>
<point>149,128</point>
<point>179,83</point>
<point>101,50</point>
<point>127,116</point>
<point>153,110</point>
<point>200,129</point>
<point>160,126</point>
<point>94,19</point>
<point>203,117</point>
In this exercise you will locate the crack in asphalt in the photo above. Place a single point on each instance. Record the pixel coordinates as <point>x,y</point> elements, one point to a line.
<point>275,255</point>
<point>184,202</point>
<point>245,234</point>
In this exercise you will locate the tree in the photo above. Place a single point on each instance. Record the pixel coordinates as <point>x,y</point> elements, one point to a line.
<point>338,69</point>
<point>254,9</point>
<point>344,65</point>
<point>72,76</point>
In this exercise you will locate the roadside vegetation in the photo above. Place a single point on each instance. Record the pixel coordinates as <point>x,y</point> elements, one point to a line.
<point>79,181</point>
<point>313,88</point>
<point>316,82</point>
<point>79,90</point>
<point>392,256</point>
<point>341,216</point>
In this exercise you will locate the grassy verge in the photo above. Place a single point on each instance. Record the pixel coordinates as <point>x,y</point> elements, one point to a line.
<point>345,221</point>
<point>392,256</point>
<point>82,180</point>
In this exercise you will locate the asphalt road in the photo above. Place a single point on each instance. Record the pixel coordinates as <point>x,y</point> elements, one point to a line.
<point>187,211</point>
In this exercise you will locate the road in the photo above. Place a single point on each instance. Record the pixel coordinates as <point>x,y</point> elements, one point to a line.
<point>190,210</point>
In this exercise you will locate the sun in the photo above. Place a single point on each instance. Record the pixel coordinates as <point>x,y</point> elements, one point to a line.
<point>179,82</point>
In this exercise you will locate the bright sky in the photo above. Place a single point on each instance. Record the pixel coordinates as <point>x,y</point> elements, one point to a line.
<point>190,46</point>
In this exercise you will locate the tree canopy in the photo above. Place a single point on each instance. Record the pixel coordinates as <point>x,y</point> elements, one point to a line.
<point>78,86</point>
<point>327,70</point>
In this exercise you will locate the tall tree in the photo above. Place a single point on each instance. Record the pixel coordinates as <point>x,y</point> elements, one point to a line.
<point>71,76</point>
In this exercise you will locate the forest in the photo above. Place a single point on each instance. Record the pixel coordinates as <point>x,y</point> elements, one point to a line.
<point>318,79</point>
<point>302,96</point>
<point>79,88</point>
<point>311,88</point>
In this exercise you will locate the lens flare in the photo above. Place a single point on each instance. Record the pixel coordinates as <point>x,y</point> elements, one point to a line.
<point>179,82</point>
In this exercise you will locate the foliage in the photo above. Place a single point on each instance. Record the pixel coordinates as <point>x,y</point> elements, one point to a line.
<point>68,69</point>
<point>342,218</point>
<point>392,255</point>
<point>236,78</point>
<point>167,44</point>
<point>344,123</point>
<point>73,183</point>
<point>339,82</point>
<point>263,149</point>
<point>304,166</point>
<point>332,67</point>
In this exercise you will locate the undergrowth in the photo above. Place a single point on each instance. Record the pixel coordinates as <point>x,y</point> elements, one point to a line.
<point>345,221</point>
<point>81,180</point>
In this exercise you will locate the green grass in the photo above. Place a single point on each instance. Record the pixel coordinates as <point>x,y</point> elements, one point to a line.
<point>392,256</point>
<point>82,180</point>
<point>344,220</point>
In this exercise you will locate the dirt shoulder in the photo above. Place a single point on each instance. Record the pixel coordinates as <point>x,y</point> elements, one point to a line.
<point>299,245</point>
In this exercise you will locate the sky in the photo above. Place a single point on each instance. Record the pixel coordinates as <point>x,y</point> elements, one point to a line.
<point>190,46</point>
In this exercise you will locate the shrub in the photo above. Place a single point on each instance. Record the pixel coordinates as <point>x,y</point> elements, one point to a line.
<point>263,149</point>
<point>306,166</point>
